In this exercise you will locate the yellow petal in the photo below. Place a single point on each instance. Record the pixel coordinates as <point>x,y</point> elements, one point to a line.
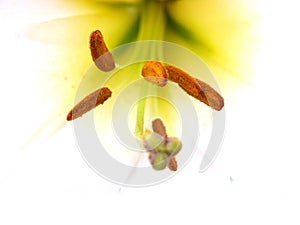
<point>220,32</point>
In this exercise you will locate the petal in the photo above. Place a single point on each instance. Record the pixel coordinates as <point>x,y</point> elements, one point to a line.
<point>222,33</point>
<point>118,2</point>
<point>50,52</point>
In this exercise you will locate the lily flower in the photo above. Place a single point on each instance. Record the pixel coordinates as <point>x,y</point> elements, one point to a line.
<point>218,32</point>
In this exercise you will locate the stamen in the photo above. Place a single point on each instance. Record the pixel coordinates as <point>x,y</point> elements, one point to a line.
<point>183,79</point>
<point>171,146</point>
<point>155,73</point>
<point>196,88</point>
<point>101,56</point>
<point>172,165</point>
<point>89,102</point>
<point>159,128</point>
<point>210,96</point>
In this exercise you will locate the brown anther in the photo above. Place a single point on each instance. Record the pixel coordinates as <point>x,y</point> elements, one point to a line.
<point>89,102</point>
<point>183,79</point>
<point>172,165</point>
<point>155,73</point>
<point>196,88</point>
<point>101,56</point>
<point>210,96</point>
<point>159,127</point>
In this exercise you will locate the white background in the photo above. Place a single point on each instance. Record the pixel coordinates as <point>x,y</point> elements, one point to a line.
<point>255,179</point>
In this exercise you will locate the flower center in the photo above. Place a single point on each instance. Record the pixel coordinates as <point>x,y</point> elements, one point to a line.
<point>152,24</point>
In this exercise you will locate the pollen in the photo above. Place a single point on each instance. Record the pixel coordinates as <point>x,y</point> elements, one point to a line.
<point>101,56</point>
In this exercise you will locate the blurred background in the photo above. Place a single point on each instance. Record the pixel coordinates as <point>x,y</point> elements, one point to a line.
<point>252,47</point>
